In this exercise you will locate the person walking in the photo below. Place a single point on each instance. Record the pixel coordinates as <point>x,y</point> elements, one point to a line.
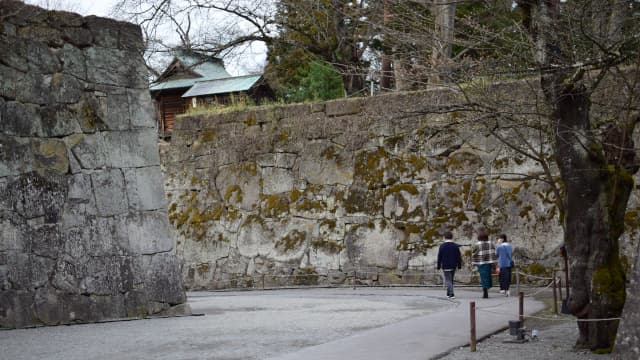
<point>483,255</point>
<point>449,260</point>
<point>504,251</point>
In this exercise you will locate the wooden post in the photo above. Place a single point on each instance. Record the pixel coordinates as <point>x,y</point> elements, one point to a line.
<point>472,318</point>
<point>555,295</point>
<point>517,281</point>
<point>262,281</point>
<point>354,279</point>
<point>560,289</point>
<point>521,307</point>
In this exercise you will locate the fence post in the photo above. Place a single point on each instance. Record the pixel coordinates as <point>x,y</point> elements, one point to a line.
<point>555,295</point>
<point>521,307</point>
<point>354,279</point>
<point>517,281</point>
<point>472,314</point>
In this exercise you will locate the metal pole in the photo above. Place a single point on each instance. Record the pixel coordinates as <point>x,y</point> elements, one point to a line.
<point>521,307</point>
<point>262,281</point>
<point>472,318</point>
<point>555,295</point>
<point>517,281</point>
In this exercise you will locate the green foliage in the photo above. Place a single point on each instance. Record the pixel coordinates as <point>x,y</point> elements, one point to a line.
<point>327,31</point>
<point>320,81</point>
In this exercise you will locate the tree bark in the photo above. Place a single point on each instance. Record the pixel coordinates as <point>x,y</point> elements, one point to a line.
<point>386,78</point>
<point>596,194</point>
<point>628,337</point>
<point>444,13</point>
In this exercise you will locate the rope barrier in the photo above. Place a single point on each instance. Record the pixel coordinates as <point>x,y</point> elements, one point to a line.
<point>549,318</point>
<point>532,276</point>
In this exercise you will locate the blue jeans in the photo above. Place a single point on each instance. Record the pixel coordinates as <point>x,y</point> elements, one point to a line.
<point>448,280</point>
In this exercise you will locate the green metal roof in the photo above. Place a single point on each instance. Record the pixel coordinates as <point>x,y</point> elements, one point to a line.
<point>221,86</point>
<point>207,68</point>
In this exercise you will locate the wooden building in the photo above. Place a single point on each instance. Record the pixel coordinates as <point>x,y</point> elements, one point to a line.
<point>194,80</point>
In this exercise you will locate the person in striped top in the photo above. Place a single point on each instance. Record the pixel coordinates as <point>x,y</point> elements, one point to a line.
<point>483,255</point>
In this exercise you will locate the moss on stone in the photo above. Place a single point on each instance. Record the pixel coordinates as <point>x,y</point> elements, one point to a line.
<point>328,246</point>
<point>311,205</point>
<point>294,195</point>
<point>207,136</point>
<point>250,120</point>
<point>250,168</point>
<point>254,218</point>
<point>328,223</point>
<point>203,268</point>
<point>407,187</point>
<point>371,166</point>
<point>417,163</point>
<point>231,189</point>
<point>291,241</point>
<point>394,141</point>
<point>361,201</point>
<point>275,205</point>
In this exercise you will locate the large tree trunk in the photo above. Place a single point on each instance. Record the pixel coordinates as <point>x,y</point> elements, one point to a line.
<point>596,194</point>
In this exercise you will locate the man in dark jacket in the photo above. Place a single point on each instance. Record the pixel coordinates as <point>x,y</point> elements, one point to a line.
<point>449,260</point>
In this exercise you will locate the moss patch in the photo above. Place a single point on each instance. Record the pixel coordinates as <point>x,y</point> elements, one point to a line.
<point>291,241</point>
<point>230,191</point>
<point>274,206</point>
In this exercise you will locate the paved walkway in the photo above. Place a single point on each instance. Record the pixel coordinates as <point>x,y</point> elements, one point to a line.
<point>424,337</point>
<point>304,324</point>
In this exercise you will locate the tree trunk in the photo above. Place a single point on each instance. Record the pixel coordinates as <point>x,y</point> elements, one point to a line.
<point>596,194</point>
<point>629,333</point>
<point>445,13</point>
<point>386,78</point>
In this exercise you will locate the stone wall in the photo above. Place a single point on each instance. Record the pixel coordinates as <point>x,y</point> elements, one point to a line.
<point>84,234</point>
<point>321,190</point>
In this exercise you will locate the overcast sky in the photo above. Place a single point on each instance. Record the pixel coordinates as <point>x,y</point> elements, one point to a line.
<point>84,7</point>
<point>250,62</point>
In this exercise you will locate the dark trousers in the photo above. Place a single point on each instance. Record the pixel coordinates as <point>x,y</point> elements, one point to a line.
<point>505,278</point>
<point>448,280</point>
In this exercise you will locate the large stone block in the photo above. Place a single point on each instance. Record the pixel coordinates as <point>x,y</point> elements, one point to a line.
<point>88,150</point>
<point>15,156</point>
<point>343,107</point>
<point>40,57</point>
<point>8,85</point>
<point>276,180</point>
<point>148,233</point>
<point>136,148</point>
<point>20,119</point>
<point>59,120</point>
<point>145,190</point>
<point>162,283</point>
<point>13,234</point>
<point>141,111</point>
<point>116,67</point>
<point>77,36</point>
<point>16,309</point>
<point>33,88</point>
<point>110,193</point>
<point>32,196</point>
<point>117,112</point>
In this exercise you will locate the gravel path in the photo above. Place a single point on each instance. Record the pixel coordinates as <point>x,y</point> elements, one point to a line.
<point>555,340</point>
